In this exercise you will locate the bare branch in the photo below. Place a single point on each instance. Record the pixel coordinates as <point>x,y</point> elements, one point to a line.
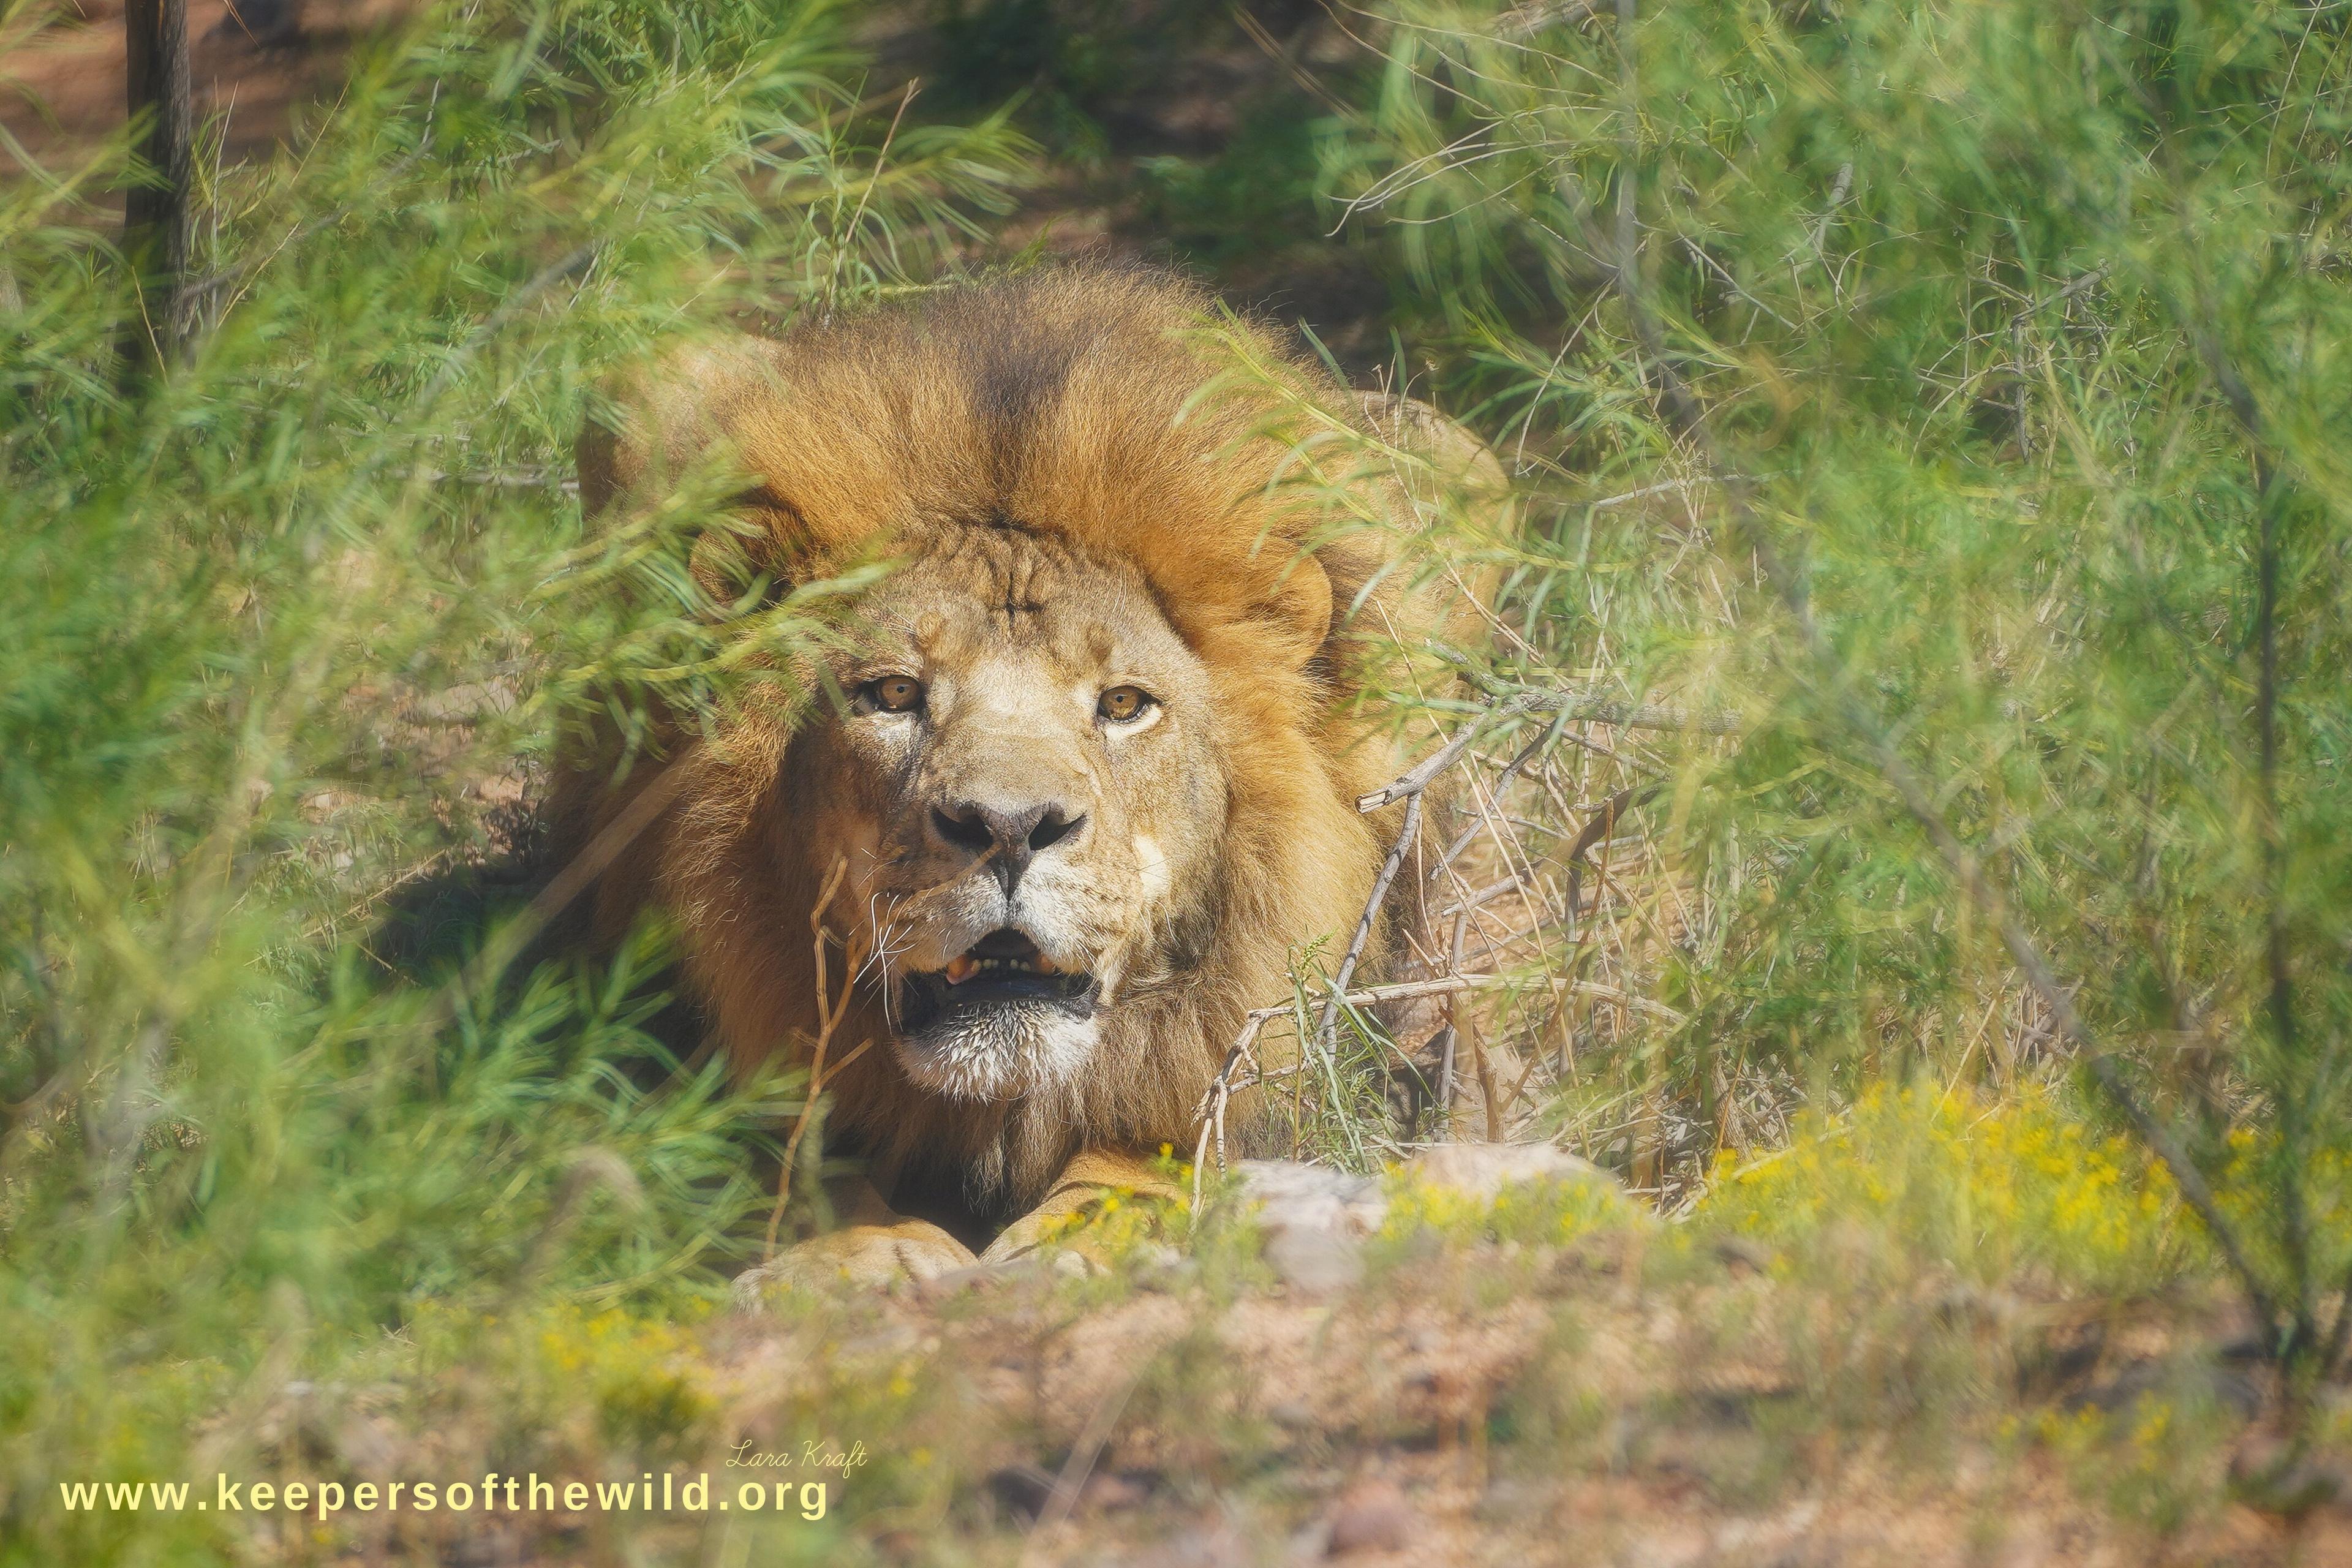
<point>1528,753</point>
<point>1326,1028</point>
<point>828,1018</point>
<point>1209,1114</point>
<point>1569,705</point>
<point>1584,704</point>
<point>1423,773</point>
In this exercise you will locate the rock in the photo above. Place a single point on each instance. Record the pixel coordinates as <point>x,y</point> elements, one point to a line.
<point>1156,1266</point>
<point>1109,1491</point>
<point>1318,1262</point>
<point>1483,1169</point>
<point>1739,1252</point>
<point>1215,1545</point>
<point>1315,1220</point>
<point>1024,1489</point>
<point>1294,1192</point>
<point>1373,1517</point>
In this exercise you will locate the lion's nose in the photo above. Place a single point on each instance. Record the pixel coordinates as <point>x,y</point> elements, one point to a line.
<point>1012,836</point>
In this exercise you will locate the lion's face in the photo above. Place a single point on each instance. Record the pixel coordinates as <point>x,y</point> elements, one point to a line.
<point>1093,780</point>
<point>1030,796</point>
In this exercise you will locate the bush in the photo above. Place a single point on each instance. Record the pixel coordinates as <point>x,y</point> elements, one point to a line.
<point>1947,400</point>
<point>292,625</point>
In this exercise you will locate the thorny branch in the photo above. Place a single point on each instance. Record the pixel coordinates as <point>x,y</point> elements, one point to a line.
<point>2274,486</point>
<point>1506,700</point>
<point>1409,788</point>
<point>1242,1068</point>
<point>1327,1028</point>
<point>1583,703</point>
<point>1534,749</point>
<point>1209,1115</point>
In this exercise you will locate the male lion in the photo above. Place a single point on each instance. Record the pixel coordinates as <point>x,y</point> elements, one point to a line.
<point>1084,783</point>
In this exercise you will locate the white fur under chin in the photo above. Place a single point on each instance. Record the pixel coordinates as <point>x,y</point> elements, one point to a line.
<point>1013,1052</point>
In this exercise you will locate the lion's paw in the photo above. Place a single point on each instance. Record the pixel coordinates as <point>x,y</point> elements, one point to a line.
<point>1024,1237</point>
<point>1075,1247</point>
<point>1092,1186</point>
<point>866,1255</point>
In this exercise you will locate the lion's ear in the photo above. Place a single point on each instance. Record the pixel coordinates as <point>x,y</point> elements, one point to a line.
<point>659,425</point>
<point>1295,609</point>
<point>651,426</point>
<point>1271,604</point>
<point>751,547</point>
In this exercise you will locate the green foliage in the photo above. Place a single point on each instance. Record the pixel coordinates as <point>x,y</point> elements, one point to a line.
<point>1256,204</point>
<point>1542,1214</point>
<point>292,626</point>
<point>2021,326</point>
<point>2152,1461</point>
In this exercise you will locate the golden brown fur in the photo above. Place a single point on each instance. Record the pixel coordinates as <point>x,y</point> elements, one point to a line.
<point>1069,422</point>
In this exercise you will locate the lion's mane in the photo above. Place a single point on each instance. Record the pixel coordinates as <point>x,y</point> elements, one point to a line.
<point>1082,404</point>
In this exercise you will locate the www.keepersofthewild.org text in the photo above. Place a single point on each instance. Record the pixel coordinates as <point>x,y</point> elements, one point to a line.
<point>666,1492</point>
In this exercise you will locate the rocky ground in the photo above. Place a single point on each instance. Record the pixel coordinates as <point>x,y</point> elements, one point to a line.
<point>1425,1391</point>
<point>1429,1369</point>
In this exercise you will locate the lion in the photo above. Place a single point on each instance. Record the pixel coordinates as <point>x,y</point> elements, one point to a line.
<point>1079,787</point>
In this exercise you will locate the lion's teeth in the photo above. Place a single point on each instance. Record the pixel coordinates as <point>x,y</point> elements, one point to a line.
<point>964,966</point>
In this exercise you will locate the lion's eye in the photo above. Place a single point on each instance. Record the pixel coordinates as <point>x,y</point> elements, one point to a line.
<point>894,693</point>
<point>1122,704</point>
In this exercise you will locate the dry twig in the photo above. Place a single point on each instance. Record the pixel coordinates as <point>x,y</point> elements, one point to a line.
<point>829,1010</point>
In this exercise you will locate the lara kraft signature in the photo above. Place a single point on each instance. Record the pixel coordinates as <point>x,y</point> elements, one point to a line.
<point>816,1454</point>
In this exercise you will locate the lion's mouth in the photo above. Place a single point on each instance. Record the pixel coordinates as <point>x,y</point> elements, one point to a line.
<point>1003,969</point>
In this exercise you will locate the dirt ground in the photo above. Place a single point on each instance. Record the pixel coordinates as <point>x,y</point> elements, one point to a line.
<point>1621,1401</point>
<point>258,64</point>
<point>1376,1411</point>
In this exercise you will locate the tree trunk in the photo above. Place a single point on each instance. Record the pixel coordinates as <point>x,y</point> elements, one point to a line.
<point>158,221</point>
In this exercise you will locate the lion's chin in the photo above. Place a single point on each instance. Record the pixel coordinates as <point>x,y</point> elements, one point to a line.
<point>999,1021</point>
<point>998,1053</point>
